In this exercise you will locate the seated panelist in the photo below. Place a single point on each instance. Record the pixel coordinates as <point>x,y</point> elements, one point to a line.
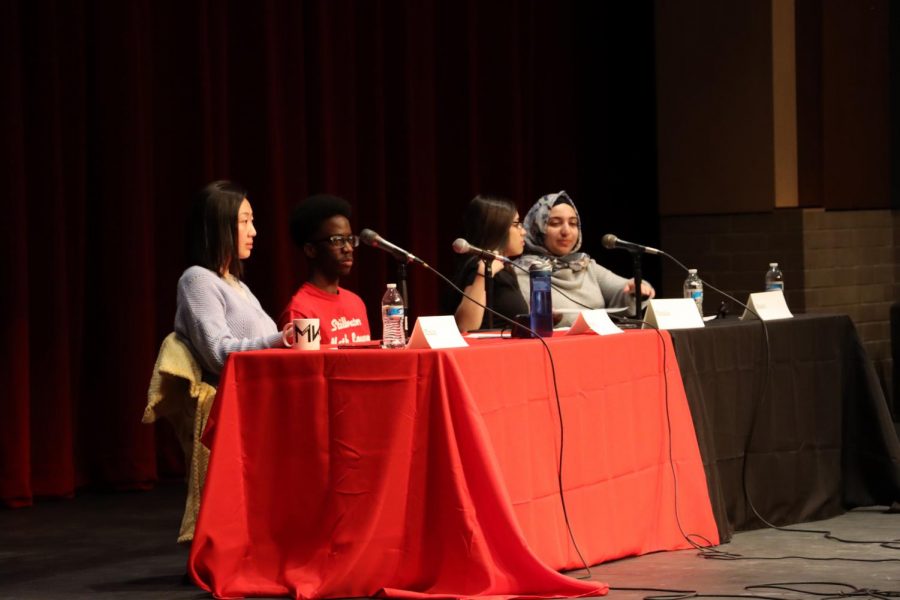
<point>489,223</point>
<point>553,232</point>
<point>216,312</point>
<point>320,226</point>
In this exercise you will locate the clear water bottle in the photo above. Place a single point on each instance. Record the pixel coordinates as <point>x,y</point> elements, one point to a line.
<point>541,302</point>
<point>774,278</point>
<point>392,316</point>
<point>693,289</point>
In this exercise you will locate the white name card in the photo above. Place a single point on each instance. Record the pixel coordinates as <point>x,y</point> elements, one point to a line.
<point>672,313</point>
<point>593,321</point>
<point>436,332</point>
<point>768,305</point>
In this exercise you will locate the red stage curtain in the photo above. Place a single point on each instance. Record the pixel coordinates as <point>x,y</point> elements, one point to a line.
<point>113,114</point>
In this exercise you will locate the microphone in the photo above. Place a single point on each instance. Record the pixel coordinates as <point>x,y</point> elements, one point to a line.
<point>610,242</point>
<point>461,246</point>
<point>370,238</point>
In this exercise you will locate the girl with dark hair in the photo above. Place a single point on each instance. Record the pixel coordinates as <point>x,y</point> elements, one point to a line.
<point>216,313</point>
<point>553,232</point>
<point>490,223</point>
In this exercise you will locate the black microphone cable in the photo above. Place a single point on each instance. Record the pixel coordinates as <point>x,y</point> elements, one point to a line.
<point>827,534</point>
<point>565,295</point>
<point>559,467</point>
<point>764,392</point>
<point>688,537</point>
<point>843,591</point>
<point>709,550</point>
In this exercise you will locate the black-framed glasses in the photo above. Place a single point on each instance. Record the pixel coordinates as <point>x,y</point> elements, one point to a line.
<point>338,241</point>
<point>518,224</point>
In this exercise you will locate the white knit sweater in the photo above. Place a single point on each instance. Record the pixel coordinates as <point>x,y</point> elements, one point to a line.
<point>216,318</point>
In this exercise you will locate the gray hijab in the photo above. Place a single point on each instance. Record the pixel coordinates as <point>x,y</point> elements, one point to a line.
<point>535,224</point>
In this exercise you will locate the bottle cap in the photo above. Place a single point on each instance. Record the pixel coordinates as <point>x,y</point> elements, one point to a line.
<point>692,271</point>
<point>773,265</point>
<point>540,265</point>
<point>391,286</point>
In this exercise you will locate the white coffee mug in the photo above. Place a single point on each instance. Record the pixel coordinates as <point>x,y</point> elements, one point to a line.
<point>302,334</point>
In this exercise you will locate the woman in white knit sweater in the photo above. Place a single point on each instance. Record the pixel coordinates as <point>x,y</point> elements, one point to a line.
<point>216,312</point>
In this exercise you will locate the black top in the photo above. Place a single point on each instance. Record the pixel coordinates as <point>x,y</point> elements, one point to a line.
<point>507,299</point>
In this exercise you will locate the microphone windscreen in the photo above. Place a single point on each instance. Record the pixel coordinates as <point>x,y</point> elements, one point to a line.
<point>609,241</point>
<point>368,237</point>
<point>460,246</point>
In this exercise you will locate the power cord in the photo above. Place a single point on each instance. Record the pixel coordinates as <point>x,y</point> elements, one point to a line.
<point>708,550</point>
<point>845,591</point>
<point>889,544</point>
<point>689,537</point>
<point>559,465</point>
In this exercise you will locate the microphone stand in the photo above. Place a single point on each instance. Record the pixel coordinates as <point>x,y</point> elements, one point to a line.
<point>636,260</point>
<point>401,285</point>
<point>489,290</point>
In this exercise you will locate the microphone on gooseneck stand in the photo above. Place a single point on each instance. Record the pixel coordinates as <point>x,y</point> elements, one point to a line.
<point>461,246</point>
<point>370,238</point>
<point>611,242</point>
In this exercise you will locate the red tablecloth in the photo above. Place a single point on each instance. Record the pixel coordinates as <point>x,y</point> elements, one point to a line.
<point>366,472</point>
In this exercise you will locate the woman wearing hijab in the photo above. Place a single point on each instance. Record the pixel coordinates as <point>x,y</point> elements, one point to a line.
<point>553,233</point>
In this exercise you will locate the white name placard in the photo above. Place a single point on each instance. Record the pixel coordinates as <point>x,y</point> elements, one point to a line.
<point>593,321</point>
<point>436,332</point>
<point>768,305</point>
<point>672,313</point>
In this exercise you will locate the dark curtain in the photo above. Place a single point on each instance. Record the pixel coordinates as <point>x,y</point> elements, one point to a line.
<point>115,113</point>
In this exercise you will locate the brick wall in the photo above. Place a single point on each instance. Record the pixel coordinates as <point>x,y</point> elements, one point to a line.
<point>733,253</point>
<point>841,261</point>
<point>851,262</point>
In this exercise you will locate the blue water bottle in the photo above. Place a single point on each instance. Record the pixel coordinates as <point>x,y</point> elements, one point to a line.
<point>541,303</point>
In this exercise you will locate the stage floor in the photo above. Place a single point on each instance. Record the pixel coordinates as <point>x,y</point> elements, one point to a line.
<point>122,545</point>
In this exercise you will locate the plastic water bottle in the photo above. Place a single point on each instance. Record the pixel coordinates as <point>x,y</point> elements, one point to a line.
<point>541,302</point>
<point>392,316</point>
<point>774,278</point>
<point>693,289</point>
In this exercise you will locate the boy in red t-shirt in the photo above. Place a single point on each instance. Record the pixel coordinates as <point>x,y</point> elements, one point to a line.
<point>320,226</point>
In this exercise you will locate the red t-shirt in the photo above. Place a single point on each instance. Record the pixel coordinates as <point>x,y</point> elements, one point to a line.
<point>342,316</point>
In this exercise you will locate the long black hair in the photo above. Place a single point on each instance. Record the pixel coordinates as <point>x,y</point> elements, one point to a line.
<point>487,220</point>
<point>486,223</point>
<point>212,228</point>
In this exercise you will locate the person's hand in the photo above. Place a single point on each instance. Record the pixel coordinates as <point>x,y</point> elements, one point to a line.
<point>496,267</point>
<point>646,288</point>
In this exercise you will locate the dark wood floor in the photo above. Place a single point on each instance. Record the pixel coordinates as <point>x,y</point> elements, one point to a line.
<point>122,545</point>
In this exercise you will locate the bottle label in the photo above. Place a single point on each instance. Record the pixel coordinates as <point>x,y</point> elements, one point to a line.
<point>774,286</point>
<point>540,284</point>
<point>696,295</point>
<point>394,311</point>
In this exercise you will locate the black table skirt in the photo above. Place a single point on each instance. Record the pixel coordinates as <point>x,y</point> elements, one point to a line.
<point>820,442</point>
